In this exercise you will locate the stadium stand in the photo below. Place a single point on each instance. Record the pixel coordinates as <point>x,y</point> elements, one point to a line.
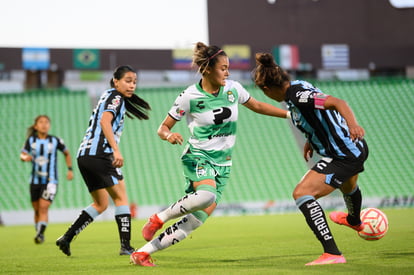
<point>267,160</point>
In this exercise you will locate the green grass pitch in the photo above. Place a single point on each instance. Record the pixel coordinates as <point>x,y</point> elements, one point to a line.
<point>268,244</point>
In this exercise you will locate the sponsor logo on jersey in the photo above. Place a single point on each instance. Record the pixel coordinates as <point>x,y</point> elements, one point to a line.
<point>304,96</point>
<point>180,112</point>
<point>41,160</point>
<point>200,105</point>
<point>230,96</point>
<point>201,171</point>
<point>115,103</point>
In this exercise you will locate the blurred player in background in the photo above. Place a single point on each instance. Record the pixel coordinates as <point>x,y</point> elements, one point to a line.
<point>99,158</point>
<point>331,130</point>
<point>41,149</point>
<point>211,109</point>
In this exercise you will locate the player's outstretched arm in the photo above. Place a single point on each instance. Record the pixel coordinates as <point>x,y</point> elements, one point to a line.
<point>265,108</point>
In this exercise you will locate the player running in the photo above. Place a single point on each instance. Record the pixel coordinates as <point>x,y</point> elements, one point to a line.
<point>211,109</point>
<point>41,149</point>
<point>332,131</point>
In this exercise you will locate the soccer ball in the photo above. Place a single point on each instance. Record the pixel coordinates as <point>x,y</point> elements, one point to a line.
<point>375,224</point>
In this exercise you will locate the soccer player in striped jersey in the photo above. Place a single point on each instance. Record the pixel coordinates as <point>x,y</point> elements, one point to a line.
<point>41,149</point>
<point>333,132</point>
<point>99,158</point>
<point>211,109</point>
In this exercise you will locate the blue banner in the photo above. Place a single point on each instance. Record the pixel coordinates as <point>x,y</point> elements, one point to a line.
<point>35,58</point>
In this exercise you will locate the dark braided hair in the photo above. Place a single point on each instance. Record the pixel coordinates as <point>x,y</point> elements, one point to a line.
<point>135,106</point>
<point>267,73</point>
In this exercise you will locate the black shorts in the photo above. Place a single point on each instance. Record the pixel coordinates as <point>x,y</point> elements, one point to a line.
<point>38,191</point>
<point>98,172</point>
<point>338,171</point>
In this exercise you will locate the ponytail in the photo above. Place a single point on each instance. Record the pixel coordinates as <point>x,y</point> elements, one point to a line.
<point>137,107</point>
<point>31,131</point>
<point>267,73</point>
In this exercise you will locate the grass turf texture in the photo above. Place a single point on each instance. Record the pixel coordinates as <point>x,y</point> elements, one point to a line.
<point>269,244</point>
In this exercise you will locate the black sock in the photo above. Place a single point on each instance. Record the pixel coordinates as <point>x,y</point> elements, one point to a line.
<point>124,229</point>
<point>353,204</point>
<point>41,229</point>
<point>315,217</point>
<point>78,225</point>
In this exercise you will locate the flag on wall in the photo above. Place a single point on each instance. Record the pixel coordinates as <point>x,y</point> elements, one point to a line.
<point>239,56</point>
<point>35,58</point>
<point>287,56</point>
<point>335,56</point>
<point>182,59</point>
<point>86,59</point>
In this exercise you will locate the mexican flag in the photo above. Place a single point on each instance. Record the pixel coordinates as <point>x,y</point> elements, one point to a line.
<point>287,56</point>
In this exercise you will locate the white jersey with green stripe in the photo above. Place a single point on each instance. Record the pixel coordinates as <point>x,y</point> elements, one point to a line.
<point>211,119</point>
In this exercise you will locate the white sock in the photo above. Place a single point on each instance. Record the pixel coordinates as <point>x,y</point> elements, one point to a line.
<point>173,234</point>
<point>190,203</point>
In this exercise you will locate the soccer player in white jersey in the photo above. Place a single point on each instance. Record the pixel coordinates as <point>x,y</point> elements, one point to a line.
<point>211,109</point>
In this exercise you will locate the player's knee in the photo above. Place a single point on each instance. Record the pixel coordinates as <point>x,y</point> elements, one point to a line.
<point>101,207</point>
<point>206,198</point>
<point>206,195</point>
<point>297,193</point>
<point>310,190</point>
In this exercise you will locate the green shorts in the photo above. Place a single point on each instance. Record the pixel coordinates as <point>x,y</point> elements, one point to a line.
<point>197,168</point>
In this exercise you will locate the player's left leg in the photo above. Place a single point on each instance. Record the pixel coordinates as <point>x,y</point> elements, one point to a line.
<point>349,171</point>
<point>122,216</point>
<point>171,235</point>
<point>353,201</point>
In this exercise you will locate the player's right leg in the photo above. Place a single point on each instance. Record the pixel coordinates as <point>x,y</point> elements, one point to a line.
<point>35,194</point>
<point>311,187</point>
<point>202,179</point>
<point>85,218</point>
<point>96,172</point>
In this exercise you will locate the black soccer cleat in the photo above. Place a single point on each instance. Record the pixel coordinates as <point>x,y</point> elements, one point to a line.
<point>64,245</point>
<point>39,238</point>
<point>126,250</point>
